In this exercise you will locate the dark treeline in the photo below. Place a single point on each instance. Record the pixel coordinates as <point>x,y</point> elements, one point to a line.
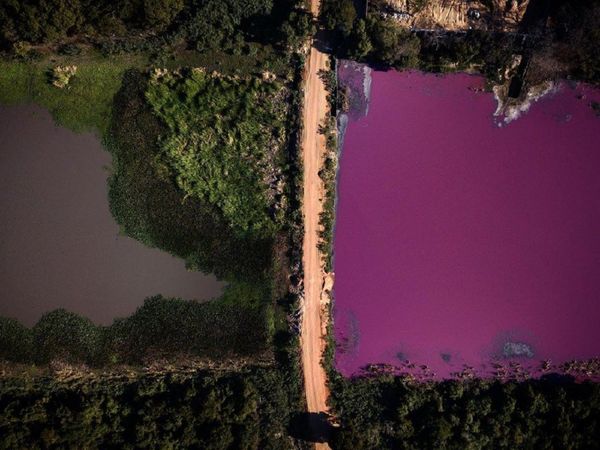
<point>565,44</point>
<point>249,409</point>
<point>160,328</point>
<point>576,38</point>
<point>203,24</point>
<point>391,413</point>
<point>383,42</point>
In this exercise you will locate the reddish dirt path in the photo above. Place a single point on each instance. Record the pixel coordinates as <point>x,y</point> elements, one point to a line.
<point>315,310</point>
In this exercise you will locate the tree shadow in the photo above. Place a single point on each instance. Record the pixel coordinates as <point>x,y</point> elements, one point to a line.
<point>311,427</point>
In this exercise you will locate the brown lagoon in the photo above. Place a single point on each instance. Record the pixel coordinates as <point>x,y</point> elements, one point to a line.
<point>464,243</point>
<point>59,245</point>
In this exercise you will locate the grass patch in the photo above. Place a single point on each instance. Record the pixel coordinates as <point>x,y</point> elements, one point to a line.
<point>84,105</point>
<point>15,80</point>
<point>223,135</point>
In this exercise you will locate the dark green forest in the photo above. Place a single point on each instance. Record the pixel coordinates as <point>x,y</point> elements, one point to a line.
<point>246,409</point>
<point>254,408</point>
<point>393,413</point>
<point>125,25</point>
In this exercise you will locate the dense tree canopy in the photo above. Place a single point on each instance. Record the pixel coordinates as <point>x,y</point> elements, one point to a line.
<point>249,409</point>
<point>203,24</point>
<point>578,34</point>
<point>391,413</point>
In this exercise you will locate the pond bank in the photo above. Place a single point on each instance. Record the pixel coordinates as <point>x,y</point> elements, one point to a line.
<point>60,245</point>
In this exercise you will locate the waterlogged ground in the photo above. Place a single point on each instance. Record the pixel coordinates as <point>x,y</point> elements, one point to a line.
<point>463,245</point>
<point>59,245</point>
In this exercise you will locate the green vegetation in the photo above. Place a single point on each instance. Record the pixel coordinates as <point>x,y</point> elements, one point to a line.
<point>221,206</point>
<point>561,41</point>
<point>161,327</point>
<point>383,42</point>
<point>328,172</point>
<point>390,43</point>
<point>227,202</point>
<point>150,207</point>
<point>476,50</point>
<point>190,205</point>
<point>223,144</point>
<point>247,409</point>
<point>152,25</point>
<point>16,341</point>
<point>84,105</point>
<point>206,167</point>
<point>14,82</point>
<point>149,200</point>
<point>390,412</point>
<point>376,40</point>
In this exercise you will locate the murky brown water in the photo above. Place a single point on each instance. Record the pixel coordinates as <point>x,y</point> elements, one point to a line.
<point>59,245</point>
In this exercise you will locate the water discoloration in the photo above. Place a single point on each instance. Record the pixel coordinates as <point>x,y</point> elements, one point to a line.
<point>451,230</point>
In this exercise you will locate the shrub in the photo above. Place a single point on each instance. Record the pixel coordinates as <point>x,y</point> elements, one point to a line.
<point>16,342</point>
<point>65,336</point>
<point>224,137</point>
<point>236,325</point>
<point>149,206</point>
<point>61,75</point>
<point>164,326</point>
<point>69,50</point>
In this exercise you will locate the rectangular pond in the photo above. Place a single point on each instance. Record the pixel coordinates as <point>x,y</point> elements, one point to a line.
<point>465,245</point>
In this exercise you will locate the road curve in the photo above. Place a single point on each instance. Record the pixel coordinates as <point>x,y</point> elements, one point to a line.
<point>314,322</point>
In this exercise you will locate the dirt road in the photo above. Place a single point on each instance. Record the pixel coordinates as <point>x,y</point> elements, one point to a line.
<point>314,321</point>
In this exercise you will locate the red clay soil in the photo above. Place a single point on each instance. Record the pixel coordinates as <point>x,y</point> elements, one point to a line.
<point>315,314</point>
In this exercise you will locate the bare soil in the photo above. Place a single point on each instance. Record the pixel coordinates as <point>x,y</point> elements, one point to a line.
<point>315,315</point>
<point>455,15</point>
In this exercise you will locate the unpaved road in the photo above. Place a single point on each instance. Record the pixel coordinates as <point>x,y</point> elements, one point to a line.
<point>314,323</point>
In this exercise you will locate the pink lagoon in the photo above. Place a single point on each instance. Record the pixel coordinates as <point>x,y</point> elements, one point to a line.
<point>464,244</point>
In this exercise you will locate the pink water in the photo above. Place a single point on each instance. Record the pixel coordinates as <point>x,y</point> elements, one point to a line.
<point>455,237</point>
